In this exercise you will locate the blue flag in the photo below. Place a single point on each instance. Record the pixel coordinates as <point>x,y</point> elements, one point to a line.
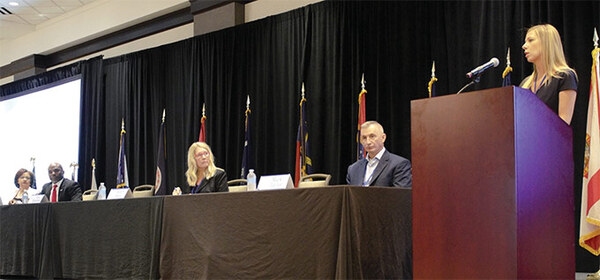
<point>160,185</point>
<point>247,157</point>
<point>506,76</point>
<point>33,183</point>
<point>431,87</point>
<point>122,176</point>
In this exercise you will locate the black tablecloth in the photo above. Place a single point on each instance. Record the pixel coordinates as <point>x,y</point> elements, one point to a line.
<point>332,232</point>
<point>91,239</point>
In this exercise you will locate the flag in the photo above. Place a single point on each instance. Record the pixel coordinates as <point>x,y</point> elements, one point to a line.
<point>33,183</point>
<point>431,84</point>
<point>75,167</point>
<point>506,74</point>
<point>589,229</point>
<point>303,161</point>
<point>160,184</point>
<point>362,116</point>
<point>246,157</point>
<point>94,185</point>
<point>122,176</point>
<point>202,136</point>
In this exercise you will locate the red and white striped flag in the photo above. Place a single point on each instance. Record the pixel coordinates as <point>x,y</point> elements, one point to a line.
<point>589,230</point>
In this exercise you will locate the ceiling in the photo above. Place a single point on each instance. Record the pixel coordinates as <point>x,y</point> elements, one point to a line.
<point>18,20</point>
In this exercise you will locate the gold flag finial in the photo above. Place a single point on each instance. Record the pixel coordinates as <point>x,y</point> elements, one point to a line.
<point>433,69</point>
<point>122,124</point>
<point>302,90</point>
<point>248,102</point>
<point>508,58</point>
<point>93,163</point>
<point>163,118</point>
<point>203,109</point>
<point>595,38</point>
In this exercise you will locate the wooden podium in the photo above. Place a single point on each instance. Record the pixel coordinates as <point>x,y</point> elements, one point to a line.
<point>492,187</point>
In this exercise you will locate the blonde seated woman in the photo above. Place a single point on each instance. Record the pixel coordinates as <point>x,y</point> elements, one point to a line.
<point>23,180</point>
<point>202,174</point>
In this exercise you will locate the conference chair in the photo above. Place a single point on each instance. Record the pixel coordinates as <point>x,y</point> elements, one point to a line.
<point>143,191</point>
<point>237,185</point>
<point>314,180</point>
<point>89,195</point>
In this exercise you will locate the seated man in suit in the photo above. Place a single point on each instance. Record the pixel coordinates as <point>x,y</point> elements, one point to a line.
<point>380,167</point>
<point>61,188</point>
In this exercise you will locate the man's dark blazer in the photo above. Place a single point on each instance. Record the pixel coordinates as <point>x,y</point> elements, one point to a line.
<point>392,170</point>
<point>67,191</point>
<point>216,183</point>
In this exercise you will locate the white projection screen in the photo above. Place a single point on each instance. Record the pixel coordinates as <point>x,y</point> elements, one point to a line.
<point>41,124</point>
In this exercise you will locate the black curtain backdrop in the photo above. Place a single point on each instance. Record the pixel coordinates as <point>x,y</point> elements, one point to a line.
<point>327,46</point>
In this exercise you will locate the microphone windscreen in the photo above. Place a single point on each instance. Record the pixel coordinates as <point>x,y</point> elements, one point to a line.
<point>495,61</point>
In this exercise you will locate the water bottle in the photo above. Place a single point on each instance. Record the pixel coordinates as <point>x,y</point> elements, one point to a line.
<point>251,178</point>
<point>101,192</point>
<point>25,197</point>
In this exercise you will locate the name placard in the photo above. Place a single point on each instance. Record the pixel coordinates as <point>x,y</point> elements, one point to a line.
<point>38,198</point>
<point>275,182</point>
<point>119,193</point>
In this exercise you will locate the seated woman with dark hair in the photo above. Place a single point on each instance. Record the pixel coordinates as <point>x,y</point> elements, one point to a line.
<point>23,180</point>
<point>202,174</point>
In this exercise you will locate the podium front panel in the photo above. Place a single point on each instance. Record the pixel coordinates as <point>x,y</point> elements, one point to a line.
<point>463,184</point>
<point>492,187</point>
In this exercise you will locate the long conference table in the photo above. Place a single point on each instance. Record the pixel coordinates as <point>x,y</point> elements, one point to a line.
<point>332,232</point>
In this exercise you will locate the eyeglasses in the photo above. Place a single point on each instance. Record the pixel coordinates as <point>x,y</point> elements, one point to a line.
<point>202,154</point>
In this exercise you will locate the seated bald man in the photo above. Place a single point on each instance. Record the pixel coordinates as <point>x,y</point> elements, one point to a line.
<point>60,188</point>
<point>380,167</point>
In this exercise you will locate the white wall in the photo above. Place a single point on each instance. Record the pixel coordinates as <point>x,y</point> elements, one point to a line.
<point>264,8</point>
<point>105,16</point>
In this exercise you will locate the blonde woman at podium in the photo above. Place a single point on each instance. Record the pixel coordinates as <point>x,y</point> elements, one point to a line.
<point>202,174</point>
<point>23,180</point>
<point>552,80</point>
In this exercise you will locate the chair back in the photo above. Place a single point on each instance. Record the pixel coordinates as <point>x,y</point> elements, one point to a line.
<point>143,191</point>
<point>89,195</point>
<point>237,185</point>
<point>314,180</point>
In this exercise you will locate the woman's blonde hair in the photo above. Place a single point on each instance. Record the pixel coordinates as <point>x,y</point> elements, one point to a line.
<point>191,175</point>
<point>553,57</point>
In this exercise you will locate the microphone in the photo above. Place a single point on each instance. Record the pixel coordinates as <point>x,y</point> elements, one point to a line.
<point>492,63</point>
